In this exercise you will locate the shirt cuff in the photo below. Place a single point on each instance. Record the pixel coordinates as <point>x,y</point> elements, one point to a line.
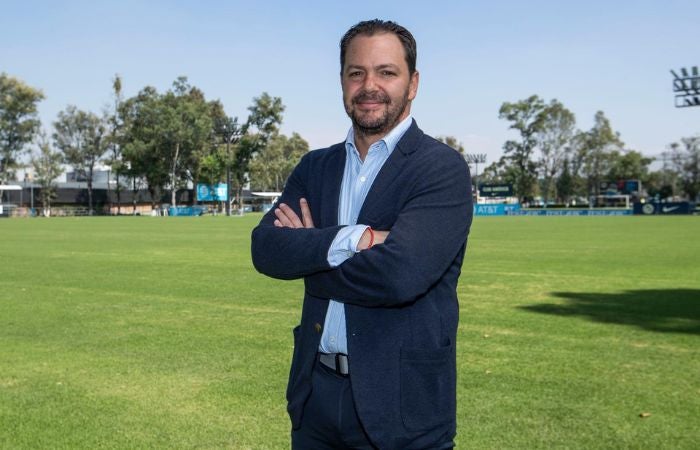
<point>344,246</point>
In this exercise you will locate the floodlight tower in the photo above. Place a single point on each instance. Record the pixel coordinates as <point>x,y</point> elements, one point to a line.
<point>687,87</point>
<point>230,132</point>
<point>476,159</point>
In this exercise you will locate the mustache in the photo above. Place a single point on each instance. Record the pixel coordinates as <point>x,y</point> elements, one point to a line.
<point>364,96</point>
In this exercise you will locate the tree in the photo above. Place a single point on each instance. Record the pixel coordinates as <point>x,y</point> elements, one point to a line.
<point>451,141</point>
<point>272,165</point>
<point>553,139</point>
<point>47,167</point>
<point>265,115</point>
<point>82,137</point>
<point>527,117</point>
<point>115,159</point>
<point>208,162</point>
<point>499,172</point>
<point>661,183</point>
<point>686,162</point>
<point>565,183</point>
<point>19,123</point>
<point>665,183</point>
<point>141,142</point>
<point>262,125</point>
<point>628,165</point>
<point>170,139</point>
<point>186,127</point>
<point>218,162</point>
<point>165,135</point>
<point>597,147</point>
<point>575,154</point>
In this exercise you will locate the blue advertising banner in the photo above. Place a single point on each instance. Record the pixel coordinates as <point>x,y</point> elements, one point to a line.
<point>211,193</point>
<point>664,208</point>
<point>576,212</point>
<point>487,209</point>
<point>186,211</point>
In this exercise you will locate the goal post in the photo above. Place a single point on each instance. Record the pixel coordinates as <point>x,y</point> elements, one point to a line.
<point>613,201</point>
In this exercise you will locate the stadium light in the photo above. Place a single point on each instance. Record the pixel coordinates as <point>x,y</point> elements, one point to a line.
<point>686,86</point>
<point>230,132</point>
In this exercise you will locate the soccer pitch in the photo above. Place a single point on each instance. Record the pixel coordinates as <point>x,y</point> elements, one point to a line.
<point>140,332</point>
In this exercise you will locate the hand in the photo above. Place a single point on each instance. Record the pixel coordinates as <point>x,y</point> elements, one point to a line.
<point>286,217</point>
<point>379,238</point>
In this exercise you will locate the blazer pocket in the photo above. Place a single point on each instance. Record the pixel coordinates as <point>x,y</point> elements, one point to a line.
<point>428,387</point>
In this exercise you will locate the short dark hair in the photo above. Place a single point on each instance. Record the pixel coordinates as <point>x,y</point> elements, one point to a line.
<point>372,27</point>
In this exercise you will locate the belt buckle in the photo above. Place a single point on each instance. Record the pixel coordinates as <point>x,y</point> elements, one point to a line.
<point>341,364</point>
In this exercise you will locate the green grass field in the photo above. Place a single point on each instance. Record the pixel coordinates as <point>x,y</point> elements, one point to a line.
<point>158,333</point>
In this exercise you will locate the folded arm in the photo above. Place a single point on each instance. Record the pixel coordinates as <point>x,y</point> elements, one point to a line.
<point>430,231</point>
<point>288,252</point>
<point>349,240</point>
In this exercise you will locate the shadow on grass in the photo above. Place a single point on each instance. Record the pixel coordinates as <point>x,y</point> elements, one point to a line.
<point>668,310</point>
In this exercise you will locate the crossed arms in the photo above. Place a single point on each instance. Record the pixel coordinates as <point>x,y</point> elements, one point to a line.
<point>286,217</point>
<point>429,232</point>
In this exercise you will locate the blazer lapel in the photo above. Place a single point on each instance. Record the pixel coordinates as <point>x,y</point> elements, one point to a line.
<point>391,169</point>
<point>331,189</point>
<point>388,173</point>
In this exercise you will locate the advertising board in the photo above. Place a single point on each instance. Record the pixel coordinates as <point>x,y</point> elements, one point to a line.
<point>211,193</point>
<point>496,190</point>
<point>667,208</point>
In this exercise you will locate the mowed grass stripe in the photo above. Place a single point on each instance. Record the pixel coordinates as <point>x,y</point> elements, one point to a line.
<point>157,333</point>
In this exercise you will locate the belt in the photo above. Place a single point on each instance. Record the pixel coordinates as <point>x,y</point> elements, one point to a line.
<point>337,362</point>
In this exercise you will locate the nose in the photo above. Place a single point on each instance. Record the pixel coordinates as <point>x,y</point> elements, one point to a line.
<point>370,82</point>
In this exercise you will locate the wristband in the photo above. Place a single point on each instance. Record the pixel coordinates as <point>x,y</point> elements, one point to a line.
<point>371,237</point>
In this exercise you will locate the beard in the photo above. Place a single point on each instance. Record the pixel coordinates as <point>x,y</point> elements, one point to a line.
<point>370,125</point>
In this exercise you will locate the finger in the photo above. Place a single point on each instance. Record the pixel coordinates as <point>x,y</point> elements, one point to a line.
<point>291,216</point>
<point>283,219</point>
<point>278,223</point>
<point>306,213</point>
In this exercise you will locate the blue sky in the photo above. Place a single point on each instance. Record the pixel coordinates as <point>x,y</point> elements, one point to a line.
<point>472,55</point>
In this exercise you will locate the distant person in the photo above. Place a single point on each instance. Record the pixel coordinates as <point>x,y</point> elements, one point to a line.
<point>377,227</point>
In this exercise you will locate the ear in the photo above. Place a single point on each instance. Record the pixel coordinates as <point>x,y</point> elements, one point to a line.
<point>413,85</point>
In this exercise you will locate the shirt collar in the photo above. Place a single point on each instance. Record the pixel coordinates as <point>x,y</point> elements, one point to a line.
<point>389,141</point>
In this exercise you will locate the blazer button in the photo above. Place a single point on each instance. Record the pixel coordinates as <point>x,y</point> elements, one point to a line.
<point>317,327</point>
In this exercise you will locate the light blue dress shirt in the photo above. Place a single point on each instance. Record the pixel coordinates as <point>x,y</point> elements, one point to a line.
<point>357,181</point>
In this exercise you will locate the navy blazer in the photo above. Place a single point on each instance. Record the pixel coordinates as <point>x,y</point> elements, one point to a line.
<point>400,297</point>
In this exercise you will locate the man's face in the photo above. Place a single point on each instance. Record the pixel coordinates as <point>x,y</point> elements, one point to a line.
<point>377,88</point>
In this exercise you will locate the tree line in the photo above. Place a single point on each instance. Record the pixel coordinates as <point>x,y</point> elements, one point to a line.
<point>554,160</point>
<point>166,141</point>
<point>158,141</point>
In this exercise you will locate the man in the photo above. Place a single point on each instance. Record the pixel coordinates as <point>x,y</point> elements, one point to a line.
<point>377,228</point>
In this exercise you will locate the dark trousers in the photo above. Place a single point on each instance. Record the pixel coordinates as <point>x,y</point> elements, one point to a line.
<point>330,420</point>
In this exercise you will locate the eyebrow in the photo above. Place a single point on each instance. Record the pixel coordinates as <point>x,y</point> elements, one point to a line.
<point>379,67</point>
